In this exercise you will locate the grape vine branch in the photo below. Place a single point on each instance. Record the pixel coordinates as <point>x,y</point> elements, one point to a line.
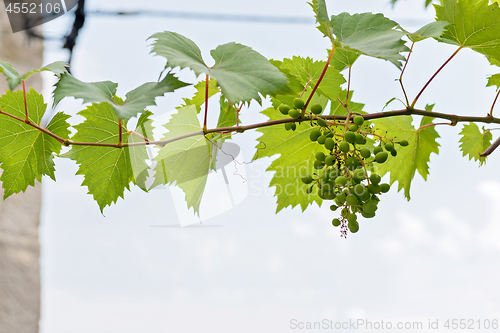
<point>338,156</point>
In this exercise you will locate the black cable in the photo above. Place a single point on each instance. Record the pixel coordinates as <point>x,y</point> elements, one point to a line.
<point>77,25</point>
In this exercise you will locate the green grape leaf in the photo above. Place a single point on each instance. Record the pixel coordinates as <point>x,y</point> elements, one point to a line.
<point>308,71</point>
<point>432,30</point>
<point>370,34</point>
<point>185,162</point>
<point>107,171</point>
<point>474,142</point>
<point>98,92</point>
<point>325,26</point>
<point>14,79</point>
<point>415,156</point>
<point>294,86</point>
<point>297,156</point>
<point>139,154</point>
<point>25,152</point>
<point>494,80</point>
<point>343,59</point>
<point>199,97</point>
<point>241,72</point>
<point>474,24</point>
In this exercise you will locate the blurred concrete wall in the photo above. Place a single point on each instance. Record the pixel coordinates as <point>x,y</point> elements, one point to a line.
<point>19,214</point>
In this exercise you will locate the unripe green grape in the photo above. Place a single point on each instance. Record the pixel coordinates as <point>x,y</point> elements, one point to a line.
<point>328,186</point>
<point>369,207</point>
<point>320,156</point>
<point>389,146</point>
<point>334,208</point>
<point>330,160</point>
<point>315,134</point>
<point>377,150</point>
<point>358,120</point>
<point>340,199</point>
<point>381,157</point>
<point>351,163</point>
<point>316,109</point>
<point>344,147</point>
<point>403,143</point>
<point>365,152</point>
<point>290,126</point>
<point>360,139</point>
<point>351,199</point>
<point>350,137</point>
<point>359,190</point>
<point>294,113</point>
<point>374,188</point>
<point>329,143</point>
<point>284,109</point>
<point>318,164</point>
<point>367,215</point>
<point>353,227</point>
<point>394,153</point>
<point>307,179</point>
<point>353,128</point>
<point>321,122</point>
<point>344,211</point>
<point>375,178</point>
<point>298,103</point>
<point>309,190</point>
<point>341,180</point>
<point>385,187</point>
<point>366,196</point>
<point>351,218</point>
<point>335,222</point>
<point>322,139</point>
<point>325,193</point>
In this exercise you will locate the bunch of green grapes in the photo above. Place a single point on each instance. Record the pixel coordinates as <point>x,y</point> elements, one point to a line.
<point>345,168</point>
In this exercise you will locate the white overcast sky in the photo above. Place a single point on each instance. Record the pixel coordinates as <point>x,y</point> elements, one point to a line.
<point>132,270</point>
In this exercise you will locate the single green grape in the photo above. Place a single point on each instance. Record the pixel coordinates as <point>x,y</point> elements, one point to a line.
<point>321,122</point>
<point>377,150</point>
<point>385,187</point>
<point>375,178</point>
<point>318,164</point>
<point>330,160</point>
<point>394,153</point>
<point>381,157</point>
<point>353,128</point>
<point>359,175</point>
<point>389,146</point>
<point>298,103</point>
<point>322,139</point>
<point>320,156</point>
<point>367,215</point>
<point>351,199</point>
<point>360,139</point>
<point>329,143</point>
<point>353,227</point>
<point>344,147</point>
<point>309,190</point>
<point>344,211</point>
<point>307,179</point>
<point>374,188</point>
<point>294,113</point>
<point>351,218</point>
<point>365,152</point>
<point>359,190</point>
<point>335,222</point>
<point>315,134</point>
<point>403,143</point>
<point>284,109</point>
<point>350,137</point>
<point>290,126</point>
<point>351,163</point>
<point>340,199</point>
<point>369,207</point>
<point>341,180</point>
<point>358,120</point>
<point>316,109</point>
<point>334,208</point>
